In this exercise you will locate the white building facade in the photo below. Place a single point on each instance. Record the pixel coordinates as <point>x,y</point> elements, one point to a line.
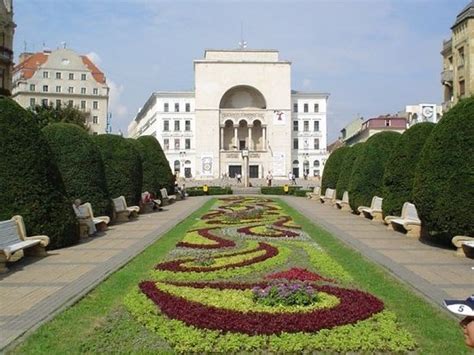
<point>422,113</point>
<point>62,77</point>
<point>242,101</point>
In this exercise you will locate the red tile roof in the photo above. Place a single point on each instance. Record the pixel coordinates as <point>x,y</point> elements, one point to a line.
<point>96,73</point>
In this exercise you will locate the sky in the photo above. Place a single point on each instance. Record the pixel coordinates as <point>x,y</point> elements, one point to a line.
<point>374,57</point>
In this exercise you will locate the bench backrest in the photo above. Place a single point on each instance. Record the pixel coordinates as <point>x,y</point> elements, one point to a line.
<point>376,203</point>
<point>119,204</point>
<point>409,211</point>
<point>8,233</point>
<point>330,193</point>
<point>345,197</point>
<point>82,210</point>
<point>317,190</point>
<point>164,193</point>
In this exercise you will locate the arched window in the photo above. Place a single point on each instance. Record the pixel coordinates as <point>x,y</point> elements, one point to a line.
<point>316,164</point>
<point>176,166</point>
<point>295,162</point>
<point>187,162</point>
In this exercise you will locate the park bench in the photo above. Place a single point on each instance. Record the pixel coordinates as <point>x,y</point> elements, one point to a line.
<point>315,194</point>
<point>122,211</point>
<point>148,203</point>
<point>468,248</point>
<point>374,211</point>
<point>459,242</point>
<point>88,223</point>
<point>344,203</point>
<point>13,239</point>
<point>167,198</point>
<point>329,196</point>
<point>409,220</point>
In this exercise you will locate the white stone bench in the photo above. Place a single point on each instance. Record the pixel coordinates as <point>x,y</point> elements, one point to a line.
<point>329,196</point>
<point>122,211</point>
<point>148,203</point>
<point>167,198</point>
<point>374,211</point>
<point>468,248</point>
<point>315,194</point>
<point>409,220</point>
<point>88,223</point>
<point>13,239</point>
<point>344,203</point>
<point>459,241</point>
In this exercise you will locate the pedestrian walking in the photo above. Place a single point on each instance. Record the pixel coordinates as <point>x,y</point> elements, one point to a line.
<point>239,178</point>
<point>269,179</point>
<point>293,179</point>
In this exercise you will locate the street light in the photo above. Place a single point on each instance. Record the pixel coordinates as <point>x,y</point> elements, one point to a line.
<point>245,156</point>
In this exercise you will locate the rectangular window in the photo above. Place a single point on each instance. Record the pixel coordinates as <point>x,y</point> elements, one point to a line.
<point>295,143</point>
<point>70,103</point>
<point>387,123</point>
<point>58,103</point>
<point>45,75</point>
<point>176,126</point>
<point>166,144</point>
<point>45,88</point>
<point>176,107</point>
<point>32,87</point>
<point>83,76</point>
<point>83,104</point>
<point>58,88</point>
<point>306,108</point>
<point>95,91</point>
<point>44,102</point>
<point>95,105</point>
<point>461,56</point>
<point>295,126</point>
<point>188,107</point>
<point>176,144</point>
<point>95,119</point>
<point>187,143</point>
<point>83,91</point>
<point>166,126</point>
<point>316,143</point>
<point>32,102</point>
<point>187,125</point>
<point>462,87</point>
<point>316,107</point>
<point>316,126</point>
<point>71,76</point>
<point>295,107</point>
<point>70,90</point>
<point>306,126</point>
<point>166,107</point>
<point>58,75</point>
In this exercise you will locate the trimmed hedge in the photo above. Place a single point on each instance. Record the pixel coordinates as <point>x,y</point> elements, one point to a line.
<point>213,190</point>
<point>80,164</point>
<point>156,169</point>
<point>444,179</point>
<point>399,175</point>
<point>367,174</point>
<point>332,168</point>
<point>30,183</point>
<point>123,167</point>
<point>345,174</point>
<point>278,190</point>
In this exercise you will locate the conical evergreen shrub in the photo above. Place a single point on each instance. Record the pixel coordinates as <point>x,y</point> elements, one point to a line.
<point>332,168</point>
<point>346,169</point>
<point>30,183</point>
<point>367,175</point>
<point>123,167</point>
<point>444,179</point>
<point>399,175</point>
<point>80,164</point>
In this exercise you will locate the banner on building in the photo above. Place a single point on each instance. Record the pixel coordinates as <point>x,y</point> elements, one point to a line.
<point>206,165</point>
<point>279,118</point>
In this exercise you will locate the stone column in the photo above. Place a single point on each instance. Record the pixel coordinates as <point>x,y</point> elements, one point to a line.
<point>264,138</point>
<point>222,138</point>
<point>236,137</point>
<point>250,138</point>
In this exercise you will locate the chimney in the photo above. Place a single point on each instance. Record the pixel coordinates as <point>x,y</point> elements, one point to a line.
<point>24,56</point>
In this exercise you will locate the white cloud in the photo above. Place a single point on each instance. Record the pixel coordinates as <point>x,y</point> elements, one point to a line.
<point>116,107</point>
<point>94,57</point>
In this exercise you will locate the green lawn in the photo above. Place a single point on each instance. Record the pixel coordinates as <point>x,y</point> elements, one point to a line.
<point>101,323</point>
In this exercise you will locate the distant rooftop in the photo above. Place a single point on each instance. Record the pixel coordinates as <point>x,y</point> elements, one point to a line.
<point>467,12</point>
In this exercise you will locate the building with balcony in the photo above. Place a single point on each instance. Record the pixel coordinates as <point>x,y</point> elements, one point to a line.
<point>375,125</point>
<point>242,101</point>
<point>7,29</point>
<point>62,77</point>
<point>457,76</point>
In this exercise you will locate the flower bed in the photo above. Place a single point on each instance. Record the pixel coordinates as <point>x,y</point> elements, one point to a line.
<point>204,239</point>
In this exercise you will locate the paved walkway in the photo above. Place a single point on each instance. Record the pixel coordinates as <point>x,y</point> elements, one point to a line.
<point>434,272</point>
<point>36,289</point>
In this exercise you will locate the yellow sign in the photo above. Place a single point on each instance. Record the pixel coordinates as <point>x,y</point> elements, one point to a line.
<point>286,188</point>
<point>205,188</point>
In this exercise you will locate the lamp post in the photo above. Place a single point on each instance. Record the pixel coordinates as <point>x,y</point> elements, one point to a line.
<point>245,156</point>
<point>182,158</point>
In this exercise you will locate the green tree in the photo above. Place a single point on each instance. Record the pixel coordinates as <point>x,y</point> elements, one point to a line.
<point>80,164</point>
<point>30,183</point>
<point>444,178</point>
<point>398,177</point>
<point>344,178</point>
<point>367,174</point>
<point>332,168</point>
<point>44,115</point>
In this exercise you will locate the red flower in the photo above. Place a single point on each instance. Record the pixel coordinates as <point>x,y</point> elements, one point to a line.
<point>205,232</point>
<point>298,274</point>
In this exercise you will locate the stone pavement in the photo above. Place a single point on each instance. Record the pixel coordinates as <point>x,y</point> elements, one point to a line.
<point>434,272</point>
<point>36,289</point>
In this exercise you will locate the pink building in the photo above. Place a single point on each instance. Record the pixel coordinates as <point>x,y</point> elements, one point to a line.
<point>376,125</point>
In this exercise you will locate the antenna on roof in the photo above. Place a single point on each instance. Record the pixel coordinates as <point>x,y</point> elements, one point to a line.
<point>242,43</point>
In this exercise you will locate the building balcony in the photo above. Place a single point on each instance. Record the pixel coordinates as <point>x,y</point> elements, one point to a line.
<point>447,76</point>
<point>6,54</point>
<point>447,47</point>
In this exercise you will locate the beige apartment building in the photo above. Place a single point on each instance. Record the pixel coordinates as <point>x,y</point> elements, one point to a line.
<point>457,76</point>
<point>62,77</point>
<point>7,29</point>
